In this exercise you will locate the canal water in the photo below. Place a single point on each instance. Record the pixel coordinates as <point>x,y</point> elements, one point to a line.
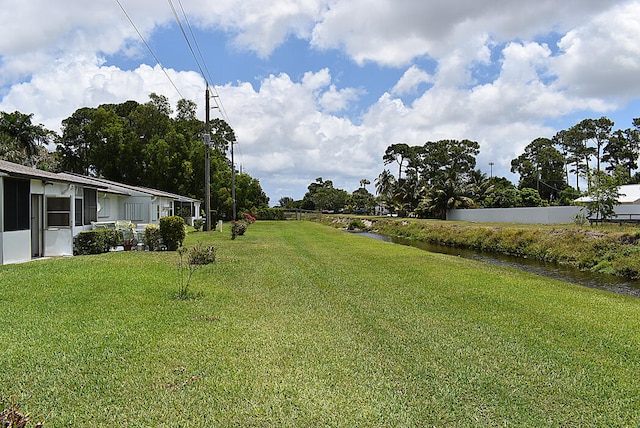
<point>549,270</point>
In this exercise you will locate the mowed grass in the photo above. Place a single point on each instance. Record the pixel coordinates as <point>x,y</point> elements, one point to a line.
<point>299,324</point>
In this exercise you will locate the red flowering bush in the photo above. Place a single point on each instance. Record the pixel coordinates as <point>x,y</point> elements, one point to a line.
<point>248,218</point>
<point>238,228</point>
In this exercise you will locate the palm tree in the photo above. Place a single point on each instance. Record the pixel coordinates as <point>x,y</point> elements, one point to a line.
<point>21,139</point>
<point>450,191</point>
<point>408,192</point>
<point>385,187</point>
<point>385,183</point>
<point>481,185</point>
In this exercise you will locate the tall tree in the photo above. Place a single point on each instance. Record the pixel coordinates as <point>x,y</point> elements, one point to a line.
<point>75,143</point>
<point>445,156</point>
<point>597,131</point>
<point>541,167</point>
<point>622,150</point>
<point>398,153</point>
<point>561,141</point>
<point>579,154</point>
<point>23,142</point>
<point>385,187</point>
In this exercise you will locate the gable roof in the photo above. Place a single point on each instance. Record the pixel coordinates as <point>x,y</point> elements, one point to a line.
<point>629,194</point>
<point>21,171</point>
<point>116,187</point>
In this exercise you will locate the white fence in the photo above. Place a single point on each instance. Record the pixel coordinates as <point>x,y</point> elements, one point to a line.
<point>537,215</point>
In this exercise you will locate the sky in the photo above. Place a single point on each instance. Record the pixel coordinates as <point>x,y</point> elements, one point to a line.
<point>320,88</point>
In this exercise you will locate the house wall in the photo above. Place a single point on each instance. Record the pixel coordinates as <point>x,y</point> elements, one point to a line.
<point>58,241</point>
<point>16,246</point>
<point>537,215</point>
<point>134,209</point>
<point>138,209</point>
<point>108,206</point>
<point>1,220</point>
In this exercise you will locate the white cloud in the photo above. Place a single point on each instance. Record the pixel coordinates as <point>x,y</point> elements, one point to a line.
<point>336,100</point>
<point>285,139</point>
<point>410,81</point>
<point>260,25</point>
<point>394,32</point>
<point>54,94</point>
<point>602,57</point>
<point>293,128</point>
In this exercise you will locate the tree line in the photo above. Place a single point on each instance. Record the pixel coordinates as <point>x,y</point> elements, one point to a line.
<point>142,144</point>
<point>441,175</point>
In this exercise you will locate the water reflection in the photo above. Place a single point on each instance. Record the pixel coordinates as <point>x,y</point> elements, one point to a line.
<point>549,270</point>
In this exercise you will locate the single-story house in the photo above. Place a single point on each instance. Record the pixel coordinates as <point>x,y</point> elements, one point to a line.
<point>41,212</point>
<point>629,195</point>
<point>138,204</point>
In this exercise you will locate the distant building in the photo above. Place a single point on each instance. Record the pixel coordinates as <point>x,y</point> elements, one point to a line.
<point>629,195</point>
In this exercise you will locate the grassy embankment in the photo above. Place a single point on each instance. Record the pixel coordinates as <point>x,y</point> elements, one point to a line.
<point>298,324</point>
<point>608,249</point>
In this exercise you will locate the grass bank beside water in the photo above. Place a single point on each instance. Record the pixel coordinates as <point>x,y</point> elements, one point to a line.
<point>607,249</point>
<point>298,324</point>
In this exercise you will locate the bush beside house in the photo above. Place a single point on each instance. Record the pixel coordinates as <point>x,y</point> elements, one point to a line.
<point>173,232</point>
<point>96,241</point>
<point>152,237</point>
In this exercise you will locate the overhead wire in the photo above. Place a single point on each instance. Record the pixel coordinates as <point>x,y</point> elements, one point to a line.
<point>166,73</point>
<point>195,41</point>
<point>201,63</point>
<point>216,96</point>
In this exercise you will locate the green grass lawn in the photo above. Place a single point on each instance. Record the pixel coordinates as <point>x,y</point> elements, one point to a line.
<point>299,324</point>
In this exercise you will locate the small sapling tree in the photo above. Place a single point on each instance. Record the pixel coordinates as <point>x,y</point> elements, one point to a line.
<point>189,260</point>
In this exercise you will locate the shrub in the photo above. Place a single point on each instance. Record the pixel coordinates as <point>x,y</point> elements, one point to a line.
<point>173,232</point>
<point>152,236</point>
<point>248,218</point>
<point>270,214</point>
<point>197,256</point>
<point>197,224</point>
<point>96,241</point>
<point>580,219</point>
<point>200,255</point>
<point>238,228</point>
<point>356,224</point>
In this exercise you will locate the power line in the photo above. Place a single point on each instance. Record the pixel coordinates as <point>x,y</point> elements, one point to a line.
<point>149,48</point>
<point>186,38</point>
<point>195,41</point>
<point>216,95</point>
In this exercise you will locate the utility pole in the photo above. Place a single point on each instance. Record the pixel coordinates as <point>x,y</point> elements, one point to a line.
<point>491,164</point>
<point>207,163</point>
<point>233,184</point>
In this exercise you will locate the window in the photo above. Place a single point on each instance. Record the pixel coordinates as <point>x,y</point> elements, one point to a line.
<point>16,204</point>
<point>78,216</point>
<point>58,212</point>
<point>133,211</point>
<point>90,205</point>
<point>105,208</point>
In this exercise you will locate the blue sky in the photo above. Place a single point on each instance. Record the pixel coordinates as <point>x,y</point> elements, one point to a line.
<point>319,88</point>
